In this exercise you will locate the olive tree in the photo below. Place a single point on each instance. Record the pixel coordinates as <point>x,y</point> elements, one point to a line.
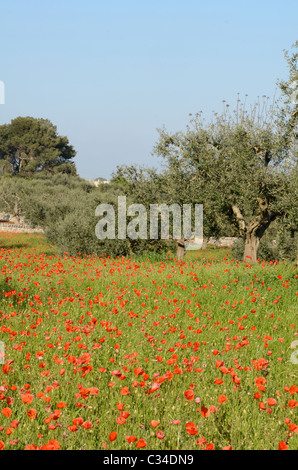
<point>236,165</point>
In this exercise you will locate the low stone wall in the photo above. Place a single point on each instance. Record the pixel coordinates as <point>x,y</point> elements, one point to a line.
<point>222,241</point>
<point>23,228</point>
<point>18,228</point>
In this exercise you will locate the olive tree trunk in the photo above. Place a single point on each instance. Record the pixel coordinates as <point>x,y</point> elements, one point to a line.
<point>251,246</point>
<point>254,230</point>
<point>180,248</point>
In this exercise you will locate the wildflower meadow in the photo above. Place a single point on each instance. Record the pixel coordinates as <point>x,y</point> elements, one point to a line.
<point>138,353</point>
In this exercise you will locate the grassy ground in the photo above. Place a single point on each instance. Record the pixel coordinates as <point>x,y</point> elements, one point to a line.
<point>129,354</point>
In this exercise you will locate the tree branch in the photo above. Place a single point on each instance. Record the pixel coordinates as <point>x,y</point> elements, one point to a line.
<point>239,218</point>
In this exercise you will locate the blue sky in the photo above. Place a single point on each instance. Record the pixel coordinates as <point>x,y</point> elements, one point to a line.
<point>109,73</point>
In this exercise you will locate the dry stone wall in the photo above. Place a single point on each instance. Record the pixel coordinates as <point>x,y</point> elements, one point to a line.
<point>18,228</point>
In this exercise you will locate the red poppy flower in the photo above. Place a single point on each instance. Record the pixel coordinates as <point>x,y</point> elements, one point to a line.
<point>131,439</point>
<point>141,443</point>
<point>27,398</point>
<point>271,402</point>
<point>87,425</point>
<point>112,436</point>
<point>191,429</point>
<point>31,413</point>
<point>282,446</point>
<point>222,399</point>
<point>6,412</point>
<point>189,395</point>
<point>53,444</point>
<point>205,412</point>
<point>154,423</point>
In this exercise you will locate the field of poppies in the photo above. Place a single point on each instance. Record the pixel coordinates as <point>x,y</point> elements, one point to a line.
<point>121,353</point>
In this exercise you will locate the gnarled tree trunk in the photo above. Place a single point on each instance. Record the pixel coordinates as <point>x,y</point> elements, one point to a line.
<point>180,248</point>
<point>254,230</point>
<point>251,246</point>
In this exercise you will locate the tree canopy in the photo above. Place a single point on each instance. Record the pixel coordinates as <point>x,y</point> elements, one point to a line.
<point>29,145</point>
